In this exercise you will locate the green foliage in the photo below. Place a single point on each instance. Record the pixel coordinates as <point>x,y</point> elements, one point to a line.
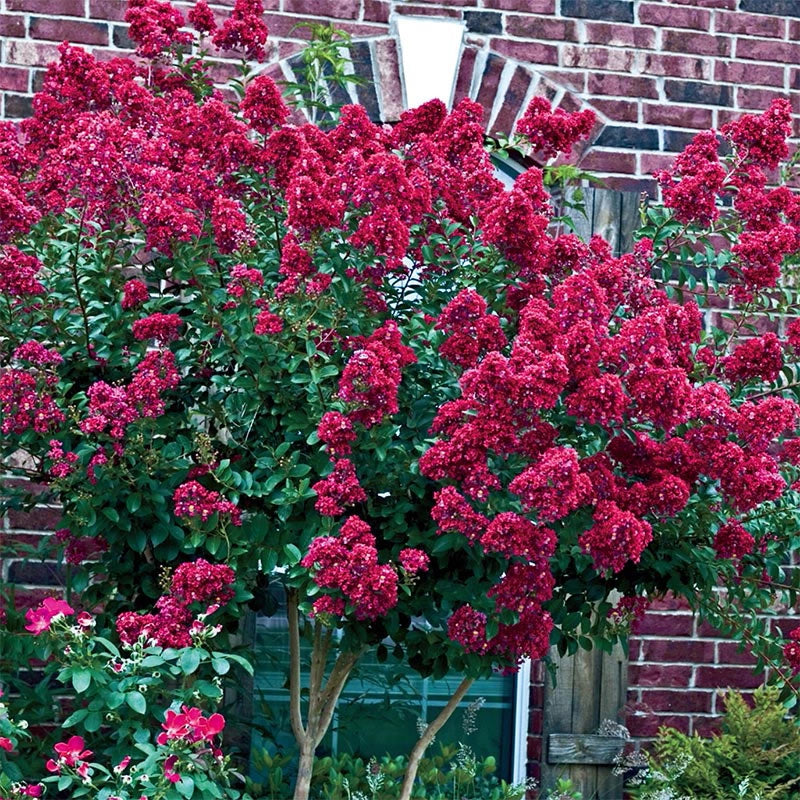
<point>756,755</point>
<point>322,79</point>
<point>453,773</point>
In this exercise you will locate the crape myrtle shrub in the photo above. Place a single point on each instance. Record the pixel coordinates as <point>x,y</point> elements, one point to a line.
<point>349,360</point>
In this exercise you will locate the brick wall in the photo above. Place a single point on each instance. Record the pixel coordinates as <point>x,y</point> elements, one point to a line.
<point>674,66</point>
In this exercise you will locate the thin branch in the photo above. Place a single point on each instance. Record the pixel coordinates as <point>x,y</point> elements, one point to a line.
<point>294,666</point>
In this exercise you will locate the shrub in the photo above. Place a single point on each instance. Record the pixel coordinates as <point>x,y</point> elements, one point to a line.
<point>756,755</point>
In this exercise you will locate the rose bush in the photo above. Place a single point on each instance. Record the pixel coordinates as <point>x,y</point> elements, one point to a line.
<point>345,358</point>
<point>165,675</point>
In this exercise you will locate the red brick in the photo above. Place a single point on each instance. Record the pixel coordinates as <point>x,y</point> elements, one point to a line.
<point>686,116</point>
<point>677,700</point>
<point>745,72</point>
<point>376,10</point>
<point>12,25</point>
<point>794,30</point>
<point>338,9</point>
<point>620,35</point>
<point>530,27</point>
<point>113,10</point>
<point>621,86</point>
<point>730,321</point>
<point>14,79</point>
<point>724,677</point>
<point>691,43</point>
<point>535,721</point>
<point>750,24</point>
<point>466,68</point>
<point>66,8</point>
<point>536,697</point>
<point>489,81</point>
<point>669,602</point>
<point>671,651</point>
<point>32,54</point>
<point>574,81</point>
<point>531,6</point>
<point>756,99</point>
<point>427,11</point>
<point>729,653</point>
<point>652,162</point>
<point>687,66</point>
<point>603,58</point>
<point>664,16</point>
<point>660,675</point>
<point>730,4</point>
<point>513,100</point>
<point>648,724</point>
<point>597,160</point>
<point>617,110</point>
<point>707,631</point>
<point>531,52</point>
<point>60,30</point>
<point>388,74</point>
<point>705,726</point>
<point>534,748</point>
<point>38,519</point>
<point>766,50</point>
<point>666,624</point>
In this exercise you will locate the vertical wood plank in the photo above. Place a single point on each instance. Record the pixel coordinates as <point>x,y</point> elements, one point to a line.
<point>557,714</point>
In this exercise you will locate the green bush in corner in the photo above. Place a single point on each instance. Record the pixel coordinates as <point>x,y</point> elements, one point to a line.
<point>756,756</point>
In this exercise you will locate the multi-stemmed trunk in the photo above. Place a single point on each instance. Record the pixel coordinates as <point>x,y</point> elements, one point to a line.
<point>322,694</point>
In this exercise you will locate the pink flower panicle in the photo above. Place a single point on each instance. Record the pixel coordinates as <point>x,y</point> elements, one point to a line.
<point>335,431</point>
<point>553,132</point>
<point>339,489</point>
<point>348,563</point>
<point>163,328</point>
<point>134,294</point>
<point>155,27</point>
<point>244,30</point>
<point>193,501</point>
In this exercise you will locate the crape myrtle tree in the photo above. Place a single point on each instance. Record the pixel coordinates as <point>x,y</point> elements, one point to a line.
<point>344,358</point>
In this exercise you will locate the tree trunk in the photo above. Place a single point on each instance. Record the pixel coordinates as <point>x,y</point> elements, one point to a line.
<point>322,699</point>
<point>433,728</point>
<point>305,769</point>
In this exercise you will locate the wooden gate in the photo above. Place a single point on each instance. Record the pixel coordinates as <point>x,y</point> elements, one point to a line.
<point>591,686</point>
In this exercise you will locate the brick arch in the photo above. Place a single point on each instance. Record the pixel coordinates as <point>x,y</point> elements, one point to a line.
<point>502,85</point>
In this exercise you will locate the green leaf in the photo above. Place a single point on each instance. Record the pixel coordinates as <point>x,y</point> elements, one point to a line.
<point>136,701</point>
<point>220,665</point>
<point>190,660</point>
<point>81,679</point>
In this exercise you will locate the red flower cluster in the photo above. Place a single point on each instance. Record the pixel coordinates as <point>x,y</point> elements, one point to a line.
<point>164,328</point>
<point>173,623</point>
<point>370,381</point>
<point>791,650</point>
<point>339,489</point>
<point>553,132</point>
<point>193,501</point>
<point>113,408</point>
<point>200,581</point>
<point>155,27</point>
<point>732,540</point>
<point>24,406</point>
<point>348,563</point>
